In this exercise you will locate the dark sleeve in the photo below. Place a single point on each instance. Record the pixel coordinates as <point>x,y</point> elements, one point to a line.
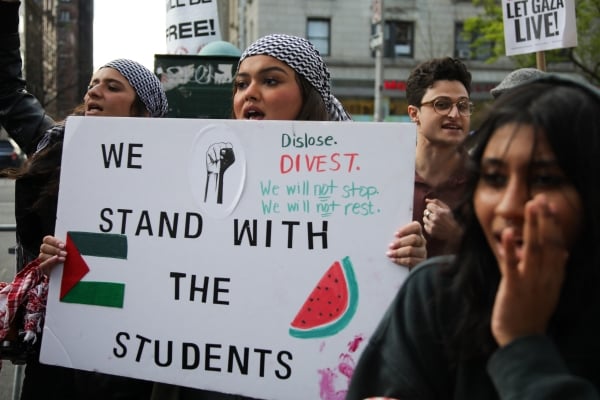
<point>21,114</point>
<point>531,368</point>
<point>404,358</point>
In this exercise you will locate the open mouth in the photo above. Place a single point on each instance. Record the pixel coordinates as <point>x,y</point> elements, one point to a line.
<point>452,126</point>
<point>93,108</point>
<point>254,114</point>
<point>517,243</point>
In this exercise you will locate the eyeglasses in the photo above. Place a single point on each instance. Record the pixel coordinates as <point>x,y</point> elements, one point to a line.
<point>443,106</point>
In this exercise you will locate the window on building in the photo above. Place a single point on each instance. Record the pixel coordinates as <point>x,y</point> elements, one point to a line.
<point>318,33</point>
<point>397,39</point>
<point>462,46</point>
<point>64,16</point>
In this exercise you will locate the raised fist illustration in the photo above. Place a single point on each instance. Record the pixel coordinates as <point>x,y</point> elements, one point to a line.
<point>219,157</point>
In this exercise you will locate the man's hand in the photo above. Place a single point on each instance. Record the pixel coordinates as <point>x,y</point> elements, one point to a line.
<point>439,222</point>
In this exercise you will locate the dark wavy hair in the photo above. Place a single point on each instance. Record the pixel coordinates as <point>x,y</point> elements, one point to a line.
<point>313,107</point>
<point>424,75</point>
<point>567,113</point>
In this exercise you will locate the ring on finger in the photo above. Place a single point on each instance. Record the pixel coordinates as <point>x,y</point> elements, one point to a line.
<point>427,213</point>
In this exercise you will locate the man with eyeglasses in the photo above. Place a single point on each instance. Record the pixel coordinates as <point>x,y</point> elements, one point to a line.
<point>438,92</point>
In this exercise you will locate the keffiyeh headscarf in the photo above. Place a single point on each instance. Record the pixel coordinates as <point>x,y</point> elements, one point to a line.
<point>144,82</point>
<point>303,58</point>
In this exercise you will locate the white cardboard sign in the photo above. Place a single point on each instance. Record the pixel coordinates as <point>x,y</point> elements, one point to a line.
<point>538,25</point>
<point>205,242</point>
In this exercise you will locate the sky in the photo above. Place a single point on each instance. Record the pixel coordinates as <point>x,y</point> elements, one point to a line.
<point>132,29</point>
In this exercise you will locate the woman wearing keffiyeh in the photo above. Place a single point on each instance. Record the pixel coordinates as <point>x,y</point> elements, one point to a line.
<point>283,77</point>
<point>119,88</point>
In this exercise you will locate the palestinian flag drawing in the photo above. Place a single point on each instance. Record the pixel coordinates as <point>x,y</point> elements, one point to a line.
<point>75,290</point>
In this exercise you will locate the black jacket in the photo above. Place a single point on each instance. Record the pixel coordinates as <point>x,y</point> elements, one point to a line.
<point>21,114</point>
<point>25,120</point>
<point>406,357</point>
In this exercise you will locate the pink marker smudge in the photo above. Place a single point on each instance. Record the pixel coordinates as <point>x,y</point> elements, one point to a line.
<point>330,379</point>
<point>327,383</point>
<point>353,345</point>
<point>346,366</point>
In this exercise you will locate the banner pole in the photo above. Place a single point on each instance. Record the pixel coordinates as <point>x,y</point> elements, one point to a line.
<point>540,60</point>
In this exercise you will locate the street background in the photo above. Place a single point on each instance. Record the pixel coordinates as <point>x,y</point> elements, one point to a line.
<point>7,269</point>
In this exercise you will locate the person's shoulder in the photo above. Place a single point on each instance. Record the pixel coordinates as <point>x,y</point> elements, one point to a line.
<point>429,265</point>
<point>51,136</point>
<point>421,301</point>
<point>428,273</point>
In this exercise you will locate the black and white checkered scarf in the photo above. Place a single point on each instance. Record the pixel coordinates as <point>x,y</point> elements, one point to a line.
<point>303,58</point>
<point>145,83</point>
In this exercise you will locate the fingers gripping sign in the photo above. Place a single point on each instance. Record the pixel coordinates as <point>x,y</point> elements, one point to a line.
<point>52,253</point>
<point>408,247</point>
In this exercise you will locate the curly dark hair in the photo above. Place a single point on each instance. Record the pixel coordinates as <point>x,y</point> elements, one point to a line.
<point>424,75</point>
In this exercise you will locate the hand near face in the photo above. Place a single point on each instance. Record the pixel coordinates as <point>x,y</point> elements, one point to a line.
<point>439,222</point>
<point>532,274</point>
<point>408,247</point>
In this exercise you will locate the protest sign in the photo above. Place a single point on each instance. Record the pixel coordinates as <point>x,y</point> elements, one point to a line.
<point>191,24</point>
<point>243,257</point>
<point>538,25</point>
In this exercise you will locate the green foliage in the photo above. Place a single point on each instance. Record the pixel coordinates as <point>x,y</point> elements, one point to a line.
<point>487,28</point>
<point>585,55</point>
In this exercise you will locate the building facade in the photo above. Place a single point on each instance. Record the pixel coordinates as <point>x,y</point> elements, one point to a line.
<point>58,52</point>
<point>342,30</point>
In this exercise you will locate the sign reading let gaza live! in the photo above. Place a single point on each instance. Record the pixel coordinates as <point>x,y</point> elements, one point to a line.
<point>243,257</point>
<point>538,25</point>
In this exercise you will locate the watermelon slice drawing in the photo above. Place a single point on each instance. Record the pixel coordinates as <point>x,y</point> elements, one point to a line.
<point>330,306</point>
